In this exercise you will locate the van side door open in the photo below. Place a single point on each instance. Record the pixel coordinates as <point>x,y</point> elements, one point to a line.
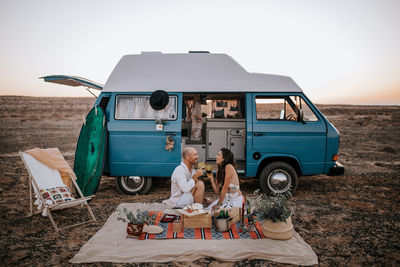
<point>284,125</point>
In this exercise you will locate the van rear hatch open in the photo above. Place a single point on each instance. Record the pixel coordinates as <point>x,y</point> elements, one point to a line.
<point>72,81</point>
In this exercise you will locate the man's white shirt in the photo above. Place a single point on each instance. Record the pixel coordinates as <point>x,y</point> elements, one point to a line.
<point>181,182</point>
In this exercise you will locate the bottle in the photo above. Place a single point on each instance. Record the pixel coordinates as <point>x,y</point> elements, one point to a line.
<point>221,214</point>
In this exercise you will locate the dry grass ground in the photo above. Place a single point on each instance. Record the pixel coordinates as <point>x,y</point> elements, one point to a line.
<point>352,219</point>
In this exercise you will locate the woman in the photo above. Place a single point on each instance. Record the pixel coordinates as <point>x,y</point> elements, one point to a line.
<point>226,182</point>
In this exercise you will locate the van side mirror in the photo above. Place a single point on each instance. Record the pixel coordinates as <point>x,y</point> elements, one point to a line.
<point>300,116</point>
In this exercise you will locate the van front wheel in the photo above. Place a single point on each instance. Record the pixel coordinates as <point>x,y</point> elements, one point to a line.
<point>132,185</point>
<point>278,177</point>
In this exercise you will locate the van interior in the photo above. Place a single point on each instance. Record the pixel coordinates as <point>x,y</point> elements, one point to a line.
<point>213,121</point>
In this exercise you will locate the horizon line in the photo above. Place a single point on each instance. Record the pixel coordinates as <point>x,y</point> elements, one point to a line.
<point>315,103</point>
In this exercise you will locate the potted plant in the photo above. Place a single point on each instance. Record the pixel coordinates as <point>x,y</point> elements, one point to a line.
<point>135,221</point>
<point>160,123</point>
<point>274,212</point>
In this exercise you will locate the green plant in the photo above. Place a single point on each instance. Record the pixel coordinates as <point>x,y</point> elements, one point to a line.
<point>160,121</point>
<point>273,207</point>
<point>139,217</point>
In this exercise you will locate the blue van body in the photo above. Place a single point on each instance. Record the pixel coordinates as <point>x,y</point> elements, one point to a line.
<point>276,150</point>
<point>135,147</point>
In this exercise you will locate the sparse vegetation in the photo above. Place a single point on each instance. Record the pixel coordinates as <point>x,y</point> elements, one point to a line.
<point>347,220</point>
<point>389,149</point>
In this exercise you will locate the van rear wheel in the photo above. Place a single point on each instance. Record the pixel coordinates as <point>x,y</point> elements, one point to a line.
<point>132,185</point>
<point>278,177</point>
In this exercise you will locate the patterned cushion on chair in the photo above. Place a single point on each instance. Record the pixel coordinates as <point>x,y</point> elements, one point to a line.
<point>56,194</point>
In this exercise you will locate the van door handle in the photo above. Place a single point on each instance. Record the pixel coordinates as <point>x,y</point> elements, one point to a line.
<point>173,134</point>
<point>259,134</point>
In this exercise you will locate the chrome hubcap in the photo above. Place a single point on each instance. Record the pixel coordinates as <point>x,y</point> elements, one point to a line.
<point>279,181</point>
<point>132,183</point>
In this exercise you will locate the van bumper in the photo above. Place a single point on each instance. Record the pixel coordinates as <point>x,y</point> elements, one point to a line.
<point>337,169</point>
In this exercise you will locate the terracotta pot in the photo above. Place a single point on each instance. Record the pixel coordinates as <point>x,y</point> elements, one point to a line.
<point>278,230</point>
<point>134,230</point>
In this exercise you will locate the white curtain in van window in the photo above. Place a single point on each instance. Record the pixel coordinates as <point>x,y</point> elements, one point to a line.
<point>146,111</point>
<point>138,107</point>
<point>125,108</point>
<point>169,112</point>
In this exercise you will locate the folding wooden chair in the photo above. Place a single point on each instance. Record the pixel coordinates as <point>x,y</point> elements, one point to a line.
<point>42,177</point>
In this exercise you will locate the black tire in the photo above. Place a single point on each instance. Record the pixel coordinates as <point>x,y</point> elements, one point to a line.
<point>132,185</point>
<point>278,177</point>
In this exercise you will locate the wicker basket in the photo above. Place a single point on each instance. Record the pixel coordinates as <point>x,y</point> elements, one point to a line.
<point>278,230</point>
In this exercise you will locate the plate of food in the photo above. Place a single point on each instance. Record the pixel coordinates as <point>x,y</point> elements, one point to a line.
<point>193,209</point>
<point>168,218</point>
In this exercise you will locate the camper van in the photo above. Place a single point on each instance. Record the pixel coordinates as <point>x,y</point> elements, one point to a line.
<point>155,104</point>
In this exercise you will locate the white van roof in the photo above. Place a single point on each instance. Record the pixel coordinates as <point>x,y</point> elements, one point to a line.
<point>192,72</point>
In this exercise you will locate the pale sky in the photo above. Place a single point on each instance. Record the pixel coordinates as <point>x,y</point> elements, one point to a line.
<point>338,51</point>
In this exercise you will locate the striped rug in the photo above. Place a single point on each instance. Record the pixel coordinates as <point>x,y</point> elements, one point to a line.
<point>235,232</point>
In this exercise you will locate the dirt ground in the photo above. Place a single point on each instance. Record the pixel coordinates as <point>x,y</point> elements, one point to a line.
<point>352,219</point>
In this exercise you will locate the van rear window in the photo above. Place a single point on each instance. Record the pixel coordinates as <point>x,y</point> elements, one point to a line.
<point>135,107</point>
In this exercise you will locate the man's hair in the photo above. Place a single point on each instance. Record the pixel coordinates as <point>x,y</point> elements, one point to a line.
<point>186,151</point>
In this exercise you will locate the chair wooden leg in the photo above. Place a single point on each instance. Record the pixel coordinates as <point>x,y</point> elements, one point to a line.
<point>30,196</point>
<point>57,229</point>
<point>52,220</point>
<point>90,212</point>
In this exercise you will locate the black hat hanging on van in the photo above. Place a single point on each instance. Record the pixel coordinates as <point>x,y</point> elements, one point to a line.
<point>159,99</point>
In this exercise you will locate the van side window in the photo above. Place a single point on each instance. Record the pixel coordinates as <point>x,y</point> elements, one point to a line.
<point>274,108</point>
<point>308,114</point>
<point>138,108</point>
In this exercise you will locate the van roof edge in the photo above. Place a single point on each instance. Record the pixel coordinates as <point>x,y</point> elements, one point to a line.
<point>151,52</point>
<point>193,52</point>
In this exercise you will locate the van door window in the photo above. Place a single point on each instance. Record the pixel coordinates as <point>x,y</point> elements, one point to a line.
<point>308,114</point>
<point>275,108</point>
<point>138,108</point>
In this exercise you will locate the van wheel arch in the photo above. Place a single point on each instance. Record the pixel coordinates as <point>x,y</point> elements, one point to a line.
<point>291,161</point>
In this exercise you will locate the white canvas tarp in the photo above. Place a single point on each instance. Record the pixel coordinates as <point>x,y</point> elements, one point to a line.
<point>110,244</point>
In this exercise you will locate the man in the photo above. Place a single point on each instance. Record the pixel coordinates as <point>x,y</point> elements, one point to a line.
<point>186,189</point>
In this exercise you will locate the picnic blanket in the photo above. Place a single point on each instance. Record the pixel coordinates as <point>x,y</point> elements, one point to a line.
<point>235,232</point>
<point>110,244</point>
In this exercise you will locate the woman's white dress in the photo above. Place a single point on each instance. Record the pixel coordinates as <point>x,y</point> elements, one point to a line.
<point>231,199</point>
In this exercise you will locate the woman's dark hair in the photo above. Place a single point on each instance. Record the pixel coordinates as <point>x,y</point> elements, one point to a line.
<point>228,159</point>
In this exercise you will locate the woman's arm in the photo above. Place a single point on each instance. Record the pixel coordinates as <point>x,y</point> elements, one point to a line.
<point>213,183</point>
<point>229,169</point>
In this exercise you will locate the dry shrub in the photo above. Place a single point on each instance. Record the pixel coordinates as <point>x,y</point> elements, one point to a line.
<point>389,149</point>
